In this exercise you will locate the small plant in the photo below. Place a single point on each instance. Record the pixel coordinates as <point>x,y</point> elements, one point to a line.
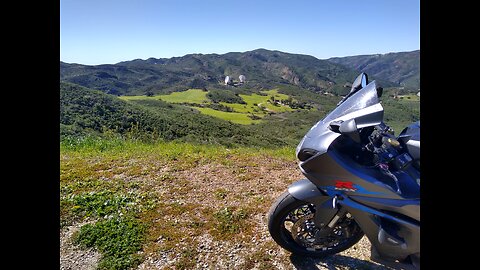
<point>229,220</point>
<point>101,203</point>
<point>259,260</point>
<point>220,194</point>
<point>118,239</point>
<point>187,259</point>
<point>166,177</point>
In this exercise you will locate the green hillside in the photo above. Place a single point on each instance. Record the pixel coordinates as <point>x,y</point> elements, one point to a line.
<point>185,98</point>
<point>85,112</point>
<point>264,69</point>
<point>402,68</point>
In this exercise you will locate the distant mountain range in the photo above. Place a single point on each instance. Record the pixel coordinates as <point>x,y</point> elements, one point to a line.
<point>262,68</point>
<point>401,68</point>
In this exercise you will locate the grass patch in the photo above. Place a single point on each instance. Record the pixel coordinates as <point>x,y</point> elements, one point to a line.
<point>159,152</point>
<point>100,204</point>
<point>198,96</point>
<point>221,193</point>
<point>256,105</point>
<point>259,260</point>
<point>410,97</point>
<point>187,259</point>
<point>265,101</point>
<point>77,143</point>
<point>234,117</point>
<point>118,239</point>
<point>229,221</point>
<point>191,96</point>
<point>243,108</point>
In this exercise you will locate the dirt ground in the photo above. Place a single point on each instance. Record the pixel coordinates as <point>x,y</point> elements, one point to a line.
<point>263,180</point>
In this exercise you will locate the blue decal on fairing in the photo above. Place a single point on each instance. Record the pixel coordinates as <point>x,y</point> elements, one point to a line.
<point>332,190</point>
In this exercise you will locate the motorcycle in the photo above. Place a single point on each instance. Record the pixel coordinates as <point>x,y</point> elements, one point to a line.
<point>360,180</point>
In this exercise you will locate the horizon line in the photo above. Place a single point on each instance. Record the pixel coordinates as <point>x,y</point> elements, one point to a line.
<point>273,50</point>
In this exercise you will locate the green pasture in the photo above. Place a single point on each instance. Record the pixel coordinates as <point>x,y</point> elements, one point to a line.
<point>234,117</point>
<point>258,105</point>
<point>197,96</point>
<point>410,97</point>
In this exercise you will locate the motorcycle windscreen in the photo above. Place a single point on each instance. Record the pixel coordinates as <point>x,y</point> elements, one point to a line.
<point>364,98</point>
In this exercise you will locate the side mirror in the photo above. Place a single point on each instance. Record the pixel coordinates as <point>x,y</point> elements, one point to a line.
<point>348,128</point>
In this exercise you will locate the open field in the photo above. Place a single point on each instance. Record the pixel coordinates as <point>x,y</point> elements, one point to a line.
<point>191,95</point>
<point>411,97</point>
<point>256,101</point>
<point>258,105</point>
<point>234,117</point>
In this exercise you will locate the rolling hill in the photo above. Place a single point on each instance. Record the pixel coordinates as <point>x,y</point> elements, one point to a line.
<point>186,99</point>
<point>402,68</point>
<point>264,69</point>
<point>85,112</point>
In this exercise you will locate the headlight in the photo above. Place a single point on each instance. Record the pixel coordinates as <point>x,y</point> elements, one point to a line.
<point>305,154</point>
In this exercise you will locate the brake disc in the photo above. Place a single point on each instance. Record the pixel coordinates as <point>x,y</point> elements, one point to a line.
<point>303,230</point>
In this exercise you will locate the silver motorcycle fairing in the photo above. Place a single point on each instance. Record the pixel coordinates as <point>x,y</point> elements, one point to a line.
<point>363,106</point>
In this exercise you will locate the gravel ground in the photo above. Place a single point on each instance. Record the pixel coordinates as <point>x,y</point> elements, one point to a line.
<point>71,256</point>
<point>267,178</point>
<point>224,254</point>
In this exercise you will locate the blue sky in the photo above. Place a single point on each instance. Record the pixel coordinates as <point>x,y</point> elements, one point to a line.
<point>96,32</point>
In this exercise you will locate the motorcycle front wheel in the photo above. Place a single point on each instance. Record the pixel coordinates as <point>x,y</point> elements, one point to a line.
<point>291,225</point>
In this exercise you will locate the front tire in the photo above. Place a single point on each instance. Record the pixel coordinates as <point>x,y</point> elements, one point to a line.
<point>291,225</point>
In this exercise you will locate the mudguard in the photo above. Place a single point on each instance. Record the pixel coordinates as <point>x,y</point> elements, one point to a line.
<point>304,190</point>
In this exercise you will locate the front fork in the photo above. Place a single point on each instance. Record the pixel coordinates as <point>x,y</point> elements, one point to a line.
<point>326,228</point>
